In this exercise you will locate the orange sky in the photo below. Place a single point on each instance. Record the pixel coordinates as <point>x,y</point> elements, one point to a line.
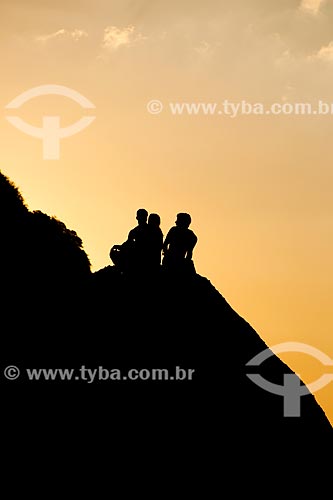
<point>258,187</point>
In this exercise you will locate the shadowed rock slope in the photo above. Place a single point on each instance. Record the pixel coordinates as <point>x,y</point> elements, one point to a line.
<point>56,313</point>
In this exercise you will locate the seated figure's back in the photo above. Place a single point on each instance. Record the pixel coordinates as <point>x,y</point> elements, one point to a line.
<point>180,240</point>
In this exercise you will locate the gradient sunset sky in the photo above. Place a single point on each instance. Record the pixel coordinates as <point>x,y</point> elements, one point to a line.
<point>258,187</point>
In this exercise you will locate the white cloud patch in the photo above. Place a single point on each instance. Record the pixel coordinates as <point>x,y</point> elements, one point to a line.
<point>78,34</point>
<point>75,35</point>
<point>115,37</point>
<point>311,6</point>
<point>325,53</point>
<point>204,48</point>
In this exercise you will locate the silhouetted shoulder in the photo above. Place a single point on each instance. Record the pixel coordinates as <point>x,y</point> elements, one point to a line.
<point>172,231</point>
<point>192,236</point>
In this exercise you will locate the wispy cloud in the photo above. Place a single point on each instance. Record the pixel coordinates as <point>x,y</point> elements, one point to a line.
<point>203,48</point>
<point>206,50</point>
<point>115,37</point>
<point>75,35</point>
<point>311,6</point>
<point>325,53</point>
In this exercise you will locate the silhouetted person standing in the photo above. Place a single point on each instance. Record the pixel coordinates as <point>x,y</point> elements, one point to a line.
<point>155,244</point>
<point>179,244</point>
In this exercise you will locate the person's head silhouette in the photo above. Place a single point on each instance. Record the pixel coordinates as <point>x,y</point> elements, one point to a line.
<point>142,216</point>
<point>183,220</point>
<point>154,220</point>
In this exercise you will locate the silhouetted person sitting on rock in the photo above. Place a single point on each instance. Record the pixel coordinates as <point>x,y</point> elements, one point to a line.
<point>119,254</point>
<point>138,238</point>
<point>155,243</point>
<point>132,254</point>
<point>179,244</point>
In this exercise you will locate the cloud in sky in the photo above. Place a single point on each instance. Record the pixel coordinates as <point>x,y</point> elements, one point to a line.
<point>203,48</point>
<point>311,6</point>
<point>75,35</point>
<point>115,37</point>
<point>325,53</point>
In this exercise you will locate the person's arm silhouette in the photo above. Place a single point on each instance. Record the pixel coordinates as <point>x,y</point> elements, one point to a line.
<point>130,238</point>
<point>191,244</point>
<point>167,242</point>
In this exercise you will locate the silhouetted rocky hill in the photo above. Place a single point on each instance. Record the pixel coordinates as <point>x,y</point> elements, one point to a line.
<point>56,313</point>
